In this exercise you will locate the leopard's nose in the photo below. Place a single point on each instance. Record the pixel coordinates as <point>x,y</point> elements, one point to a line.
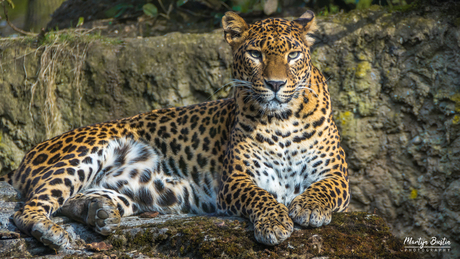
<point>274,85</point>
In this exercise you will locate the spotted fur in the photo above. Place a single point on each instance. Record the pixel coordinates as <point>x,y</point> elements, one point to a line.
<point>271,154</point>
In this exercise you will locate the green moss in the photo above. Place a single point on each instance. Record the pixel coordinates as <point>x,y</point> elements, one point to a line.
<point>354,234</point>
<point>456,98</point>
<point>117,241</point>
<point>456,119</point>
<point>68,36</point>
<point>345,117</point>
<point>362,69</point>
<point>363,4</point>
<point>75,36</point>
<point>13,198</point>
<point>347,123</point>
<point>413,194</point>
<point>405,8</point>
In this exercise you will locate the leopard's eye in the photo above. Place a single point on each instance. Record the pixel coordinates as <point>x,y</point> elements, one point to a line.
<point>294,55</point>
<point>255,54</point>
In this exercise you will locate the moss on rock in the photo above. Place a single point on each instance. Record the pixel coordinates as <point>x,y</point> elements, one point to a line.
<point>356,235</point>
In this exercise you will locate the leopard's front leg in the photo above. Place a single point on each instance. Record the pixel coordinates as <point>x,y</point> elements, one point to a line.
<point>239,196</point>
<point>315,205</point>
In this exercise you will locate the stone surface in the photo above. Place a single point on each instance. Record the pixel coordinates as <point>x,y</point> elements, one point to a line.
<point>393,77</point>
<point>357,234</point>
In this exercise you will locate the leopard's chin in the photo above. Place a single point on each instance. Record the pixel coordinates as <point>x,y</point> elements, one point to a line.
<point>273,107</point>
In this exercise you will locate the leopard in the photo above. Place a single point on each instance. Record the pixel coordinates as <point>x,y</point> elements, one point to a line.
<point>271,153</point>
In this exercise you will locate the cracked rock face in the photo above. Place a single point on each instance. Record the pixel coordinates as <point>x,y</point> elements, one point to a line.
<point>394,82</point>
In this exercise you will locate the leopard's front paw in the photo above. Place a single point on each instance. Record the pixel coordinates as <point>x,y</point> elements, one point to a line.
<point>309,213</point>
<point>273,227</point>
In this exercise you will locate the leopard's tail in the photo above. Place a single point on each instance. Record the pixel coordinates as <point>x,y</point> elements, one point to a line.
<point>8,177</point>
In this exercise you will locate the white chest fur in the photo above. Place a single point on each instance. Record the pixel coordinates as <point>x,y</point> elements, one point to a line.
<point>286,172</point>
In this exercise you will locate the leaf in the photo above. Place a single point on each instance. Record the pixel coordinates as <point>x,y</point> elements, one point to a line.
<point>117,10</point>
<point>120,13</point>
<point>149,214</point>
<point>10,3</point>
<point>80,22</point>
<point>111,12</point>
<point>97,247</point>
<point>213,4</point>
<point>181,2</point>
<point>236,8</point>
<point>150,10</point>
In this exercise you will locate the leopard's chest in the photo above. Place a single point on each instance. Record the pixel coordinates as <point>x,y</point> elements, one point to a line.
<point>286,173</point>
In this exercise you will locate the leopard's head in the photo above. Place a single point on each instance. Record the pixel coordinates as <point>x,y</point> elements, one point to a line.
<point>271,59</point>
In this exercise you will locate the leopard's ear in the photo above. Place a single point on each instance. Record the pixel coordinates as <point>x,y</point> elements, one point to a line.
<point>235,29</point>
<point>308,23</point>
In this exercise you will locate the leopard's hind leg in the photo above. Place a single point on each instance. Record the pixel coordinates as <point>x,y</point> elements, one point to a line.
<point>33,218</point>
<point>119,189</point>
<point>46,189</point>
<point>123,168</point>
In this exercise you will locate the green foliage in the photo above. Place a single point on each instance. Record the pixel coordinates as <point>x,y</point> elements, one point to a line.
<point>118,10</point>
<point>16,9</point>
<point>10,3</point>
<point>403,7</point>
<point>80,22</point>
<point>181,2</point>
<point>363,4</point>
<point>150,10</point>
<point>329,9</point>
<point>73,37</point>
<point>192,10</point>
<point>246,6</point>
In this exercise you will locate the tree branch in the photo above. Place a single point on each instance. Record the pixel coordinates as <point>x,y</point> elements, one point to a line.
<point>5,10</point>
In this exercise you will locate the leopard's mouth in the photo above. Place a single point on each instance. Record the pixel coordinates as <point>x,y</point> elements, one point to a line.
<point>268,103</point>
<point>273,106</point>
<point>272,98</point>
<point>281,100</point>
